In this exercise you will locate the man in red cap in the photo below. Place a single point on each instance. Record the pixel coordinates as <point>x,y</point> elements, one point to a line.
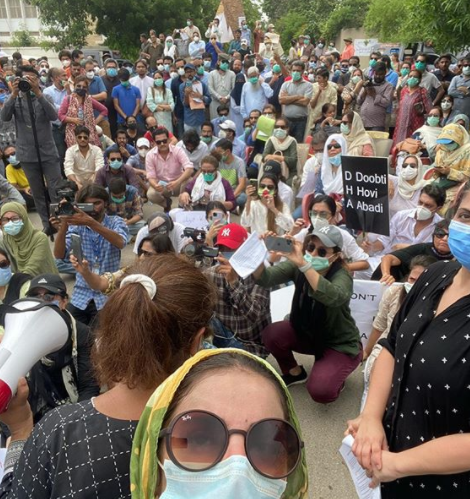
<point>243,307</point>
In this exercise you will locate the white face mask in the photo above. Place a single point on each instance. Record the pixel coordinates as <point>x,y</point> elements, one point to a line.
<point>160,67</point>
<point>222,134</point>
<point>408,286</point>
<point>90,75</point>
<point>142,152</point>
<point>409,173</point>
<point>181,71</point>
<point>446,105</point>
<point>422,213</point>
<point>196,39</point>
<point>319,156</point>
<point>173,75</point>
<point>311,78</point>
<point>319,223</point>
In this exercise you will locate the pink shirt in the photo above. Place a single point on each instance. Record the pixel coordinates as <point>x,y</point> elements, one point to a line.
<point>168,169</point>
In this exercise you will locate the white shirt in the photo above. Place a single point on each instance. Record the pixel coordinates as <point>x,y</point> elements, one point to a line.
<point>196,156</point>
<point>311,165</point>
<point>430,81</point>
<point>257,220</point>
<point>402,227</point>
<point>398,203</point>
<point>176,237</point>
<point>143,84</point>
<point>287,195</point>
<point>83,167</point>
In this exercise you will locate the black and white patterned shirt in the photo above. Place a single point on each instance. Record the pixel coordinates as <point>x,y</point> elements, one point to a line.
<point>74,452</point>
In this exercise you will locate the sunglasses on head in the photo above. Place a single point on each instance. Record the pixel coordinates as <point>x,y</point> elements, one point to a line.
<point>160,142</point>
<point>440,234</point>
<point>198,440</point>
<point>311,247</point>
<point>333,146</point>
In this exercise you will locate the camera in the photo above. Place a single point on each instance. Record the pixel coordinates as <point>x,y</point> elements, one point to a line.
<point>24,85</point>
<point>66,206</point>
<point>197,248</point>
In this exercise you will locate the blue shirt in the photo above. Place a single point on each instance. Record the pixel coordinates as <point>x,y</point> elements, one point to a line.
<point>96,86</point>
<point>101,255</point>
<point>195,117</point>
<point>392,78</point>
<point>246,34</point>
<point>134,162</point>
<point>130,149</point>
<point>127,97</point>
<point>211,50</point>
<point>57,97</point>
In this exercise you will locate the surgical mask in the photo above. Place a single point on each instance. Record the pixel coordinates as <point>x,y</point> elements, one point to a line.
<point>254,80</point>
<point>279,133</point>
<point>9,78</point>
<point>222,118</point>
<point>355,79</point>
<point>224,157</point>
<point>5,276</point>
<point>126,84</point>
<point>296,75</point>
<point>200,70</point>
<point>43,79</point>
<point>12,160</point>
<point>372,63</point>
<point>224,66</point>
<point>232,477</point>
<point>247,129</point>
<point>446,105</point>
<point>115,164</point>
<point>206,140</point>
<point>405,72</point>
<point>319,263</point>
<point>335,160</point>
<point>320,45</point>
<point>420,66</point>
<point>345,130</point>
<point>319,156</point>
<point>90,75</point>
<point>166,67</point>
<point>142,152</point>
<point>276,68</point>
<point>466,71</point>
<point>351,69</point>
<point>222,134</point>
<point>312,65</point>
<point>451,147</point>
<point>13,228</point>
<point>173,75</point>
<point>181,71</point>
<point>196,39</point>
<point>344,69</point>
<point>158,82</point>
<point>80,92</point>
<point>161,67</point>
<point>408,286</point>
<point>319,223</point>
<point>208,177</point>
<point>207,64</point>
<point>412,82</point>
<point>311,78</point>
<point>422,213</point>
<point>408,173</point>
<point>459,242</point>
<point>96,69</point>
<point>169,44</point>
<point>66,64</point>
<point>111,72</point>
<point>118,200</point>
<point>3,98</point>
<point>433,120</point>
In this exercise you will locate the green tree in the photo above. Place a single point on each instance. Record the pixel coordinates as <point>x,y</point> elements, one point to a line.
<point>346,14</point>
<point>23,38</point>
<point>290,26</point>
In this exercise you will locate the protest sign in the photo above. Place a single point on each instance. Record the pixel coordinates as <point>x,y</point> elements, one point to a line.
<point>194,219</point>
<point>365,187</point>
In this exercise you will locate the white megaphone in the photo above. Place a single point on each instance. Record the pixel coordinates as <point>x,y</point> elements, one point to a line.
<point>36,330</point>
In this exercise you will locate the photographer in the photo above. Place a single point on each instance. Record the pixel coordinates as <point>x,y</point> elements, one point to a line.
<point>102,239</point>
<point>45,113</point>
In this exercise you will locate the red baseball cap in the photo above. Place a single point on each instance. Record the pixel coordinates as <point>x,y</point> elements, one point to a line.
<point>232,236</point>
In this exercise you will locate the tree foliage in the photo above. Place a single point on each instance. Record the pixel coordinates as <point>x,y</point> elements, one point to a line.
<point>22,38</point>
<point>445,22</point>
<point>346,14</point>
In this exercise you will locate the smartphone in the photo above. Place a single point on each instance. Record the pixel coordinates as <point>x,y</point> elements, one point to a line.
<point>217,216</point>
<point>163,182</point>
<point>254,183</point>
<point>279,244</point>
<point>76,247</point>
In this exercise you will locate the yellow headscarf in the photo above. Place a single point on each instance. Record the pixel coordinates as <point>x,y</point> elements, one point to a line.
<point>458,160</point>
<point>144,466</point>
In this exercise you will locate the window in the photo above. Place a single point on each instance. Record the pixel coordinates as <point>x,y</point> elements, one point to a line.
<point>15,9</point>
<point>30,10</point>
<point>3,11</point>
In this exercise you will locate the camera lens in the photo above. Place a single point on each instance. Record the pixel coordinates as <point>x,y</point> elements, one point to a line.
<point>24,85</point>
<point>190,249</point>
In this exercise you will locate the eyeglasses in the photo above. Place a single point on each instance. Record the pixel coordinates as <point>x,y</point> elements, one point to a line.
<point>321,214</point>
<point>440,234</point>
<point>374,58</point>
<point>144,253</point>
<point>223,115</point>
<point>82,137</point>
<point>264,186</point>
<point>311,247</point>
<point>198,440</point>
<point>333,146</point>
<point>409,164</point>
<point>160,142</point>
<point>5,220</point>
<point>47,297</point>
<point>4,264</point>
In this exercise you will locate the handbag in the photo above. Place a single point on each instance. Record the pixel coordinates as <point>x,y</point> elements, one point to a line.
<point>419,106</point>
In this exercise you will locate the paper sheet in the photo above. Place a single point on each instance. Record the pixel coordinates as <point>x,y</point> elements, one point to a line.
<point>249,256</point>
<point>309,185</point>
<point>358,474</point>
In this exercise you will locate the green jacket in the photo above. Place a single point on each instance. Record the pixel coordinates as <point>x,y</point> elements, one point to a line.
<point>343,335</point>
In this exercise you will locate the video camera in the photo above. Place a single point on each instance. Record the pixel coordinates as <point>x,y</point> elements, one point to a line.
<point>66,206</point>
<point>197,249</point>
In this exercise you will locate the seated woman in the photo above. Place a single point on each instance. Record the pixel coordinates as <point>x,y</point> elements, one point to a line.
<point>208,185</point>
<point>330,180</point>
<point>264,210</point>
<point>217,216</point>
<point>358,140</point>
<point>77,109</point>
<point>248,396</point>
<point>405,188</point>
<point>327,121</point>
<point>322,211</point>
<point>452,165</point>
<point>89,443</point>
<point>429,132</point>
<point>320,321</point>
<point>12,285</point>
<point>462,120</point>
<point>282,147</point>
<point>447,104</point>
<point>28,247</point>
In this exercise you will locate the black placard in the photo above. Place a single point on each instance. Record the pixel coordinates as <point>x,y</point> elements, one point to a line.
<point>365,181</point>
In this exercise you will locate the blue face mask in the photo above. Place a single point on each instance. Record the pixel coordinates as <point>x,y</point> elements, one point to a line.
<point>3,98</point>
<point>5,276</point>
<point>12,160</point>
<point>115,164</point>
<point>233,477</point>
<point>459,242</point>
<point>335,160</point>
<point>13,228</point>
<point>111,72</point>
<point>319,263</point>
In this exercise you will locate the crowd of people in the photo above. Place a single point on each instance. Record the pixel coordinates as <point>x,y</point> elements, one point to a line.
<point>251,137</point>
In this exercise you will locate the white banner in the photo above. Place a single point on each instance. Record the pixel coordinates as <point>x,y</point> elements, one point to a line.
<point>188,218</point>
<point>363,47</point>
<point>364,304</point>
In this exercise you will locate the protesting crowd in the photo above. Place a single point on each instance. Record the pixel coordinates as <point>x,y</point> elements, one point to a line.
<point>174,380</point>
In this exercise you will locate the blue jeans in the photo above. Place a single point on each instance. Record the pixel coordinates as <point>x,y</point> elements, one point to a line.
<point>241,200</point>
<point>64,266</point>
<point>297,213</point>
<point>223,337</point>
<point>297,129</point>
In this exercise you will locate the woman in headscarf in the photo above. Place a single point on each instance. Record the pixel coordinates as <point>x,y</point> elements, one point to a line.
<point>235,98</point>
<point>170,49</point>
<point>463,120</point>
<point>405,188</point>
<point>452,165</point>
<point>358,140</point>
<point>430,131</point>
<point>28,247</point>
<point>330,180</point>
<point>248,395</point>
